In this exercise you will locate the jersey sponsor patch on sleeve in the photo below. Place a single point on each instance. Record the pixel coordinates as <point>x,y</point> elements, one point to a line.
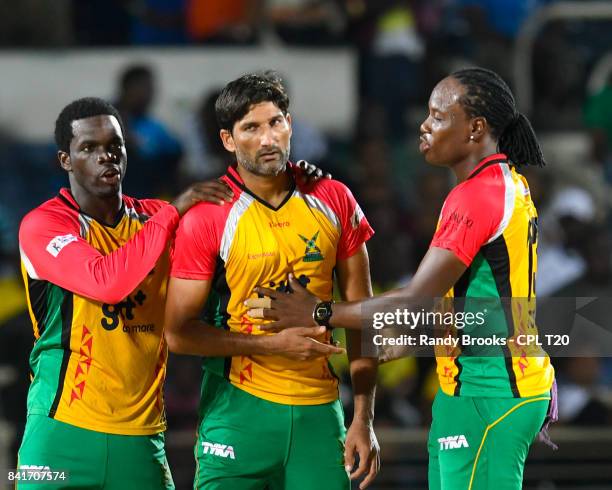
<point>357,217</point>
<point>59,242</point>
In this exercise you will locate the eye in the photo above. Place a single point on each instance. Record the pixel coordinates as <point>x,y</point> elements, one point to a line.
<point>86,148</point>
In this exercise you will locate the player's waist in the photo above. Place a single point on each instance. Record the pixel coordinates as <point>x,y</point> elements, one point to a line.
<point>275,376</point>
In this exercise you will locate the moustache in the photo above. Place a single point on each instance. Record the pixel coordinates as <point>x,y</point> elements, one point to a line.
<point>269,151</point>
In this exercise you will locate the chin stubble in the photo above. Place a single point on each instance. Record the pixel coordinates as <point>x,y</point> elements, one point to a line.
<point>261,169</point>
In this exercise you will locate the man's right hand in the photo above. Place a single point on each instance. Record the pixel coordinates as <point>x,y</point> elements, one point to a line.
<point>215,191</point>
<point>298,344</point>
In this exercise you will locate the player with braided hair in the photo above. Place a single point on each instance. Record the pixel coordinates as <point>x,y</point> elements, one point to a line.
<point>492,403</point>
<point>488,96</point>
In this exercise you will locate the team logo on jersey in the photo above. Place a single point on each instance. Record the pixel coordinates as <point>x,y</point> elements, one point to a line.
<point>452,442</point>
<point>221,450</point>
<point>55,246</point>
<point>313,252</point>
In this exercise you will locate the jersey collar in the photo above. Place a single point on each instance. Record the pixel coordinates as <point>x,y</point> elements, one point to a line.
<point>66,196</point>
<point>234,177</point>
<point>487,162</point>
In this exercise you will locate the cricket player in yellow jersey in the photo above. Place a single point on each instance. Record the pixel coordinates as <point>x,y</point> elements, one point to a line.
<point>492,402</point>
<point>95,267</point>
<point>270,417</point>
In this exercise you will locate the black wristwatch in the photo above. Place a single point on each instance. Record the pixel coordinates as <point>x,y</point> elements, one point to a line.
<point>322,313</point>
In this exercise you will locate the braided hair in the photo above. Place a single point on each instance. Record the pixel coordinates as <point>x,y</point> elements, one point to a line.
<point>488,96</point>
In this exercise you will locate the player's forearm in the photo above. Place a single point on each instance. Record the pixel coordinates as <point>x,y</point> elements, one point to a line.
<point>200,339</point>
<point>363,378</point>
<point>357,315</point>
<point>347,315</point>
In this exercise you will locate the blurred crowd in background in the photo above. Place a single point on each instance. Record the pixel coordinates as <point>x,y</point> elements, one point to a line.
<point>402,48</point>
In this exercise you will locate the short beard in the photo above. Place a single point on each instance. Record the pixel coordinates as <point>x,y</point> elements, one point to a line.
<point>263,170</point>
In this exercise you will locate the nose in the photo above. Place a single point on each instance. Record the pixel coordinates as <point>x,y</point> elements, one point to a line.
<point>424,128</point>
<point>107,156</point>
<point>268,138</point>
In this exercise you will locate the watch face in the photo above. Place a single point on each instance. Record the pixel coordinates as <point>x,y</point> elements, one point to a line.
<point>322,311</point>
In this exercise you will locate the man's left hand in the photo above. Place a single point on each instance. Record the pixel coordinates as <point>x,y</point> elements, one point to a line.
<point>361,440</point>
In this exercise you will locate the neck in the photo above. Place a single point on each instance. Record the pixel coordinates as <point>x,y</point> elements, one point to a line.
<point>103,209</point>
<point>272,189</point>
<point>466,166</point>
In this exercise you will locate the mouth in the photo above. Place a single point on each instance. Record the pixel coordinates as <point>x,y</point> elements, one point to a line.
<point>269,155</point>
<point>111,175</point>
<point>424,144</point>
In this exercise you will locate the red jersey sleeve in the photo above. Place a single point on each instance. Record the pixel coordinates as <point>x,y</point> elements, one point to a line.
<point>354,226</point>
<point>469,219</point>
<point>52,250</point>
<point>197,242</point>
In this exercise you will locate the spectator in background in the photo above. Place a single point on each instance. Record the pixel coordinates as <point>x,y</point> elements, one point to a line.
<point>154,151</point>
<point>581,393</point>
<point>223,21</point>
<point>595,247</point>
<point>158,22</point>
<point>306,22</point>
<point>563,226</point>
<point>585,376</point>
<point>391,53</point>
<point>205,154</point>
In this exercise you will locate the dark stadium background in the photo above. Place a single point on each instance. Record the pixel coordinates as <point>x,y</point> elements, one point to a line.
<point>359,73</point>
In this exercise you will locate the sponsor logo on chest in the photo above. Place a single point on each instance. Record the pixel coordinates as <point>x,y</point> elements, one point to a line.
<point>279,224</point>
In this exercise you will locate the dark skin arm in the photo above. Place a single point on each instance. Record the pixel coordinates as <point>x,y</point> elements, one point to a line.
<point>215,191</point>
<point>439,270</point>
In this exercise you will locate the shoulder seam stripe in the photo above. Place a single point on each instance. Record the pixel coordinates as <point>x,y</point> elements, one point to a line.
<point>240,207</point>
<point>509,202</point>
<point>316,203</point>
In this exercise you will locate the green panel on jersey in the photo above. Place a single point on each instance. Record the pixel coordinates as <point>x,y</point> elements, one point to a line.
<point>483,368</point>
<point>216,316</point>
<point>46,361</point>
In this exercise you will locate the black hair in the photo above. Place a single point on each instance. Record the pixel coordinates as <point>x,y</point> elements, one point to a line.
<point>133,73</point>
<point>488,96</point>
<point>238,96</point>
<point>81,109</point>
